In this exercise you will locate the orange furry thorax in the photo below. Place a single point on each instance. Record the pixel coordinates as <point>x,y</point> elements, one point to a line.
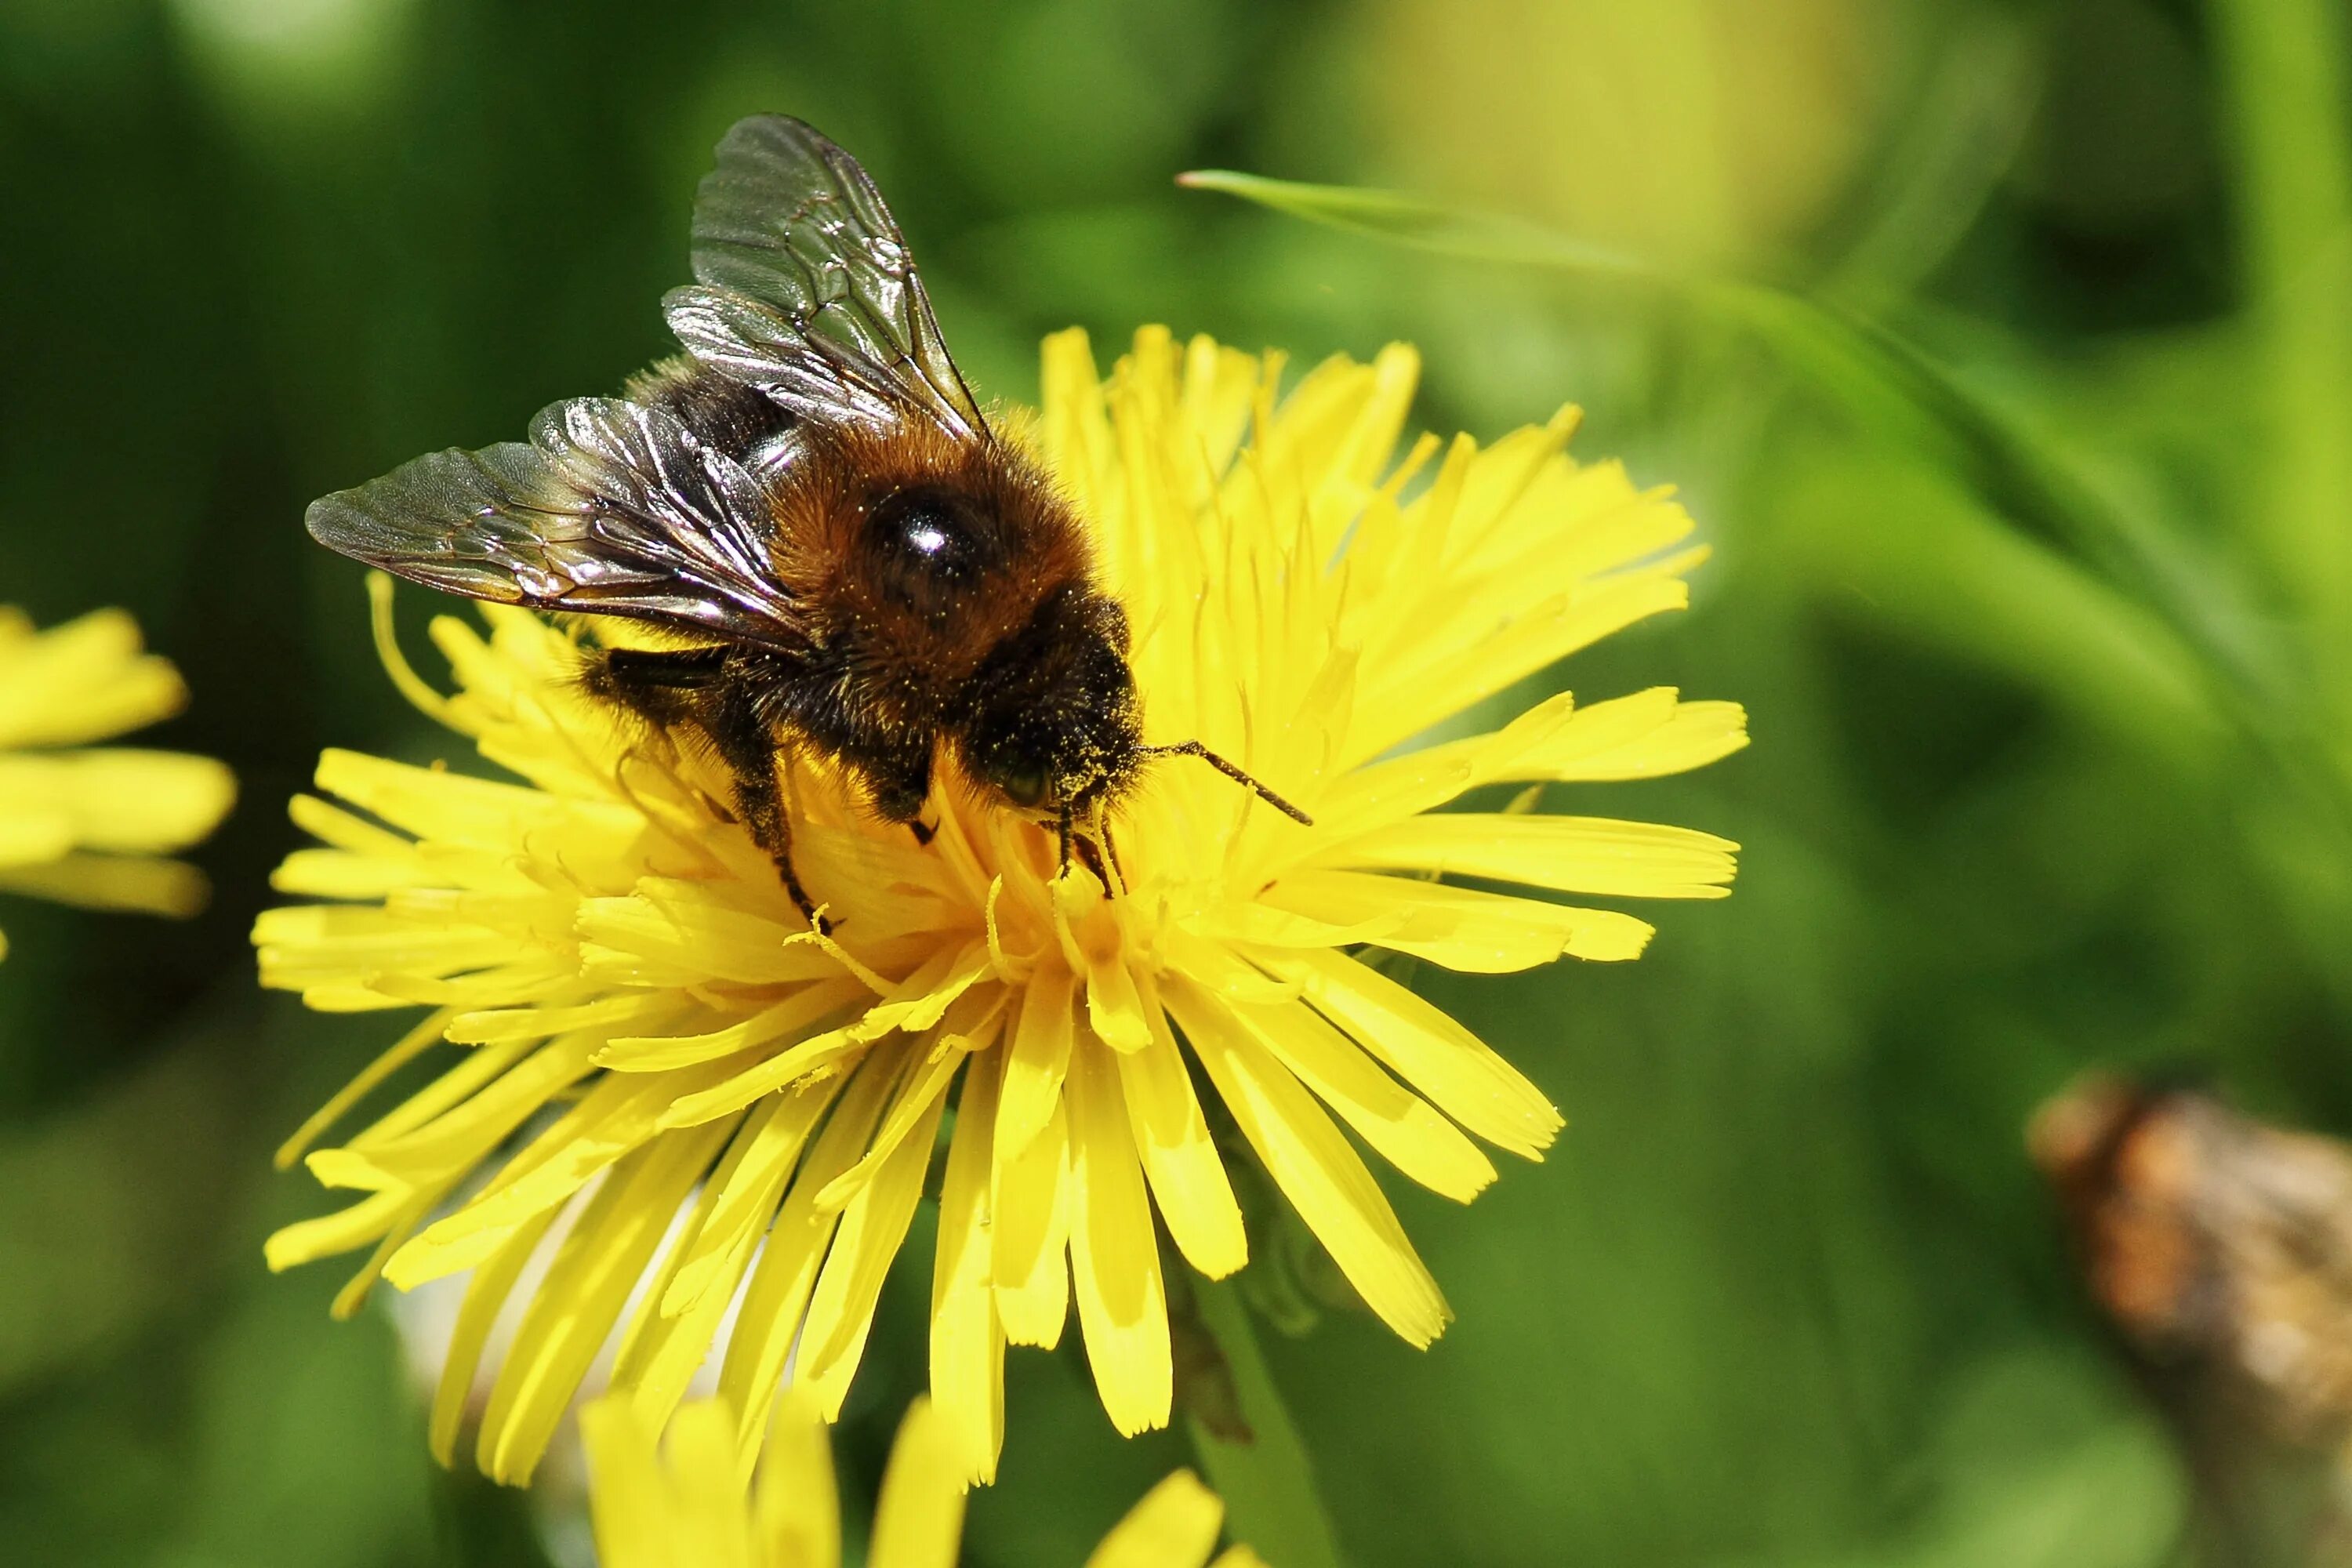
<point>1028,541</point>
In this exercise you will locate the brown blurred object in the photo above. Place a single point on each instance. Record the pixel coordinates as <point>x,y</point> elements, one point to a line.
<point>2220,1248</point>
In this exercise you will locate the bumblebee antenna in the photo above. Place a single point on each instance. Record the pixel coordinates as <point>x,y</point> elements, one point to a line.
<point>1194,749</point>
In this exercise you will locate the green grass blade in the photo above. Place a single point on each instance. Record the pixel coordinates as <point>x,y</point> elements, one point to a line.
<point>1411,220</point>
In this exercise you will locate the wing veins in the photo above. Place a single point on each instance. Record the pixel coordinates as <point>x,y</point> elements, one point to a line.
<point>613,508</point>
<point>789,220</point>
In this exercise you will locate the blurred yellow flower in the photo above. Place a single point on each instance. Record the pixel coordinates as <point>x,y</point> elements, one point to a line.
<point>1696,133</point>
<point>81,827</point>
<point>727,1109</point>
<point>681,1504</point>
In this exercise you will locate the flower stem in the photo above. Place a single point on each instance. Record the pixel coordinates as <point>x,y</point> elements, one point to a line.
<point>1266,1479</point>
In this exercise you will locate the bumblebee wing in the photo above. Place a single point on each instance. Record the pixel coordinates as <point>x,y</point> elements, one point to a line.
<point>742,338</point>
<point>808,287</point>
<point>611,509</point>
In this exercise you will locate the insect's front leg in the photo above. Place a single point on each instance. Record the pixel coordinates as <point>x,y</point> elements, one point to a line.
<point>892,761</point>
<point>898,780</point>
<point>746,744</point>
<point>697,687</point>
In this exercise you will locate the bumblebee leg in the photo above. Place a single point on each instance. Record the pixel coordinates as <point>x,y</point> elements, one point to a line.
<point>1114,874</point>
<point>660,685</point>
<point>686,686</point>
<point>760,802</point>
<point>898,780</point>
<point>748,746</point>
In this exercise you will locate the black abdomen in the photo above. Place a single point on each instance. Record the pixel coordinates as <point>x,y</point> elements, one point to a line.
<point>724,414</point>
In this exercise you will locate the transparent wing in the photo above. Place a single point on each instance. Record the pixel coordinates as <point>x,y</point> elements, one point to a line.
<point>824,290</point>
<point>612,509</point>
<point>740,337</point>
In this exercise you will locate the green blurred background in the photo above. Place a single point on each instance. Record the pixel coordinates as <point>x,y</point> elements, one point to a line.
<point>2029,497</point>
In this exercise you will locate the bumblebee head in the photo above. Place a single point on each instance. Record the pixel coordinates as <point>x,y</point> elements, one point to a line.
<point>1054,725</point>
<point>1051,723</point>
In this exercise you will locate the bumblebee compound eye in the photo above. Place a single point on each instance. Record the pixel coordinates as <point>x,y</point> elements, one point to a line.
<point>1022,779</point>
<point>1051,717</point>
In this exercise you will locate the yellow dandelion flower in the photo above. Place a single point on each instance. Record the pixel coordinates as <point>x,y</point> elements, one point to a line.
<point>732,1113</point>
<point>677,1503</point>
<point>82,823</point>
